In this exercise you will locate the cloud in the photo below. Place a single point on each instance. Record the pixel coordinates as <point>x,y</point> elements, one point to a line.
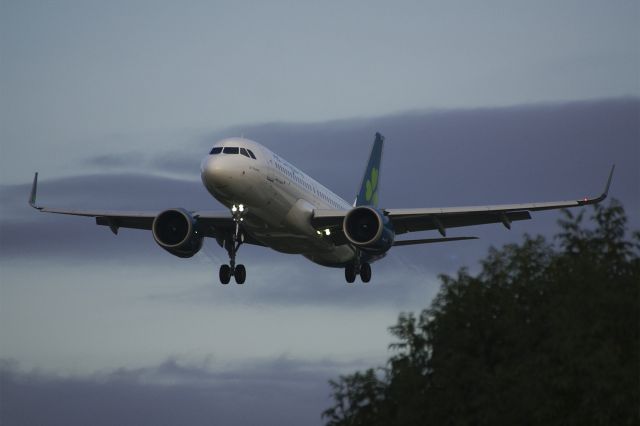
<point>298,283</point>
<point>26,232</point>
<point>279,391</point>
<point>483,155</point>
<point>63,268</point>
<point>130,191</point>
<point>449,157</point>
<point>441,157</point>
<point>171,162</point>
<point>459,156</point>
<point>110,161</point>
<point>275,279</point>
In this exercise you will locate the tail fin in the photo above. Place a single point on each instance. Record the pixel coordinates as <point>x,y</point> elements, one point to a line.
<point>368,194</point>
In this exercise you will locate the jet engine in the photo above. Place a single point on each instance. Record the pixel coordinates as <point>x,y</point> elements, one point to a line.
<point>175,231</point>
<point>368,229</point>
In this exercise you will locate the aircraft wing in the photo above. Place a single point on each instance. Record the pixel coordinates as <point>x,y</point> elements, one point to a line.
<point>424,219</point>
<point>430,241</point>
<point>214,224</point>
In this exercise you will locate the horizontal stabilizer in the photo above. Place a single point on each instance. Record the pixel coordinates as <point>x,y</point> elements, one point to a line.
<point>431,240</point>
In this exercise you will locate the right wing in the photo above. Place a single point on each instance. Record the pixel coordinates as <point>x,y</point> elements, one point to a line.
<point>213,224</point>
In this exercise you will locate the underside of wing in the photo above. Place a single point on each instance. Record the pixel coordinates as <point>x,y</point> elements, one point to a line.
<point>331,219</point>
<point>440,219</point>
<point>431,241</point>
<point>219,225</point>
<point>114,219</point>
<point>409,220</point>
<point>425,220</point>
<point>212,224</point>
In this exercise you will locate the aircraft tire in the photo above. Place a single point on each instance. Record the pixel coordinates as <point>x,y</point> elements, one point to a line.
<point>365,272</point>
<point>240,274</point>
<point>350,273</point>
<point>225,274</point>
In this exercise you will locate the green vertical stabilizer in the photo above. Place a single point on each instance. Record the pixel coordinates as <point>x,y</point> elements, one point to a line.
<point>368,194</point>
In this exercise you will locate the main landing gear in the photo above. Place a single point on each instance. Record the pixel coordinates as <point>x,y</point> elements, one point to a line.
<point>239,272</point>
<point>362,269</point>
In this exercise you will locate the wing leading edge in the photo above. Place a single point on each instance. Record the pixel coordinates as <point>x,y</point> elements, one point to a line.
<point>212,224</point>
<point>425,219</point>
<point>216,224</point>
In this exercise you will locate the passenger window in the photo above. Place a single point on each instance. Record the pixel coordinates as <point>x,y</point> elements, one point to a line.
<point>216,150</point>
<point>244,152</point>
<point>251,154</point>
<point>231,150</point>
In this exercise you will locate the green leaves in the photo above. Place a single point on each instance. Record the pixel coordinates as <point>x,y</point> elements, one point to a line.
<point>540,336</point>
<point>358,396</point>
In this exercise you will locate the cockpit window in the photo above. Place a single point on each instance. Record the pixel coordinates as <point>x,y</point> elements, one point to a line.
<point>231,150</point>
<point>216,150</point>
<point>244,152</point>
<point>251,154</point>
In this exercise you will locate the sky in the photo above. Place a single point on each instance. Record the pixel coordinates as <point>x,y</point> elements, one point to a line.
<point>115,104</point>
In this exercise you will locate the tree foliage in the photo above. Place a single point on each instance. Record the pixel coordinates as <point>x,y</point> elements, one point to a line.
<point>544,334</point>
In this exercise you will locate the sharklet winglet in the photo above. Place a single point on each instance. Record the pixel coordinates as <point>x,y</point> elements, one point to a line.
<point>606,188</point>
<point>587,201</point>
<point>34,190</point>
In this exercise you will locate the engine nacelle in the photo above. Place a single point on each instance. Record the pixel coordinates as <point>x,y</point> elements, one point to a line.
<point>175,231</point>
<point>368,229</point>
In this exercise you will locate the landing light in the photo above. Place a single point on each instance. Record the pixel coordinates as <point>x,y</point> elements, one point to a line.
<point>319,233</point>
<point>241,207</point>
<point>234,208</point>
<point>327,232</point>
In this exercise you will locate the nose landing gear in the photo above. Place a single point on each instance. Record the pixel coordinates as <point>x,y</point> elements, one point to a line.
<point>239,272</point>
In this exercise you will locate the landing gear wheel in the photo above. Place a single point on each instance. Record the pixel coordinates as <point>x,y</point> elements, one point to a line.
<point>365,272</point>
<point>225,274</point>
<point>350,273</point>
<point>240,274</point>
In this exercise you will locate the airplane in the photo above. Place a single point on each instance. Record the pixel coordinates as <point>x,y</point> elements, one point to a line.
<point>272,203</point>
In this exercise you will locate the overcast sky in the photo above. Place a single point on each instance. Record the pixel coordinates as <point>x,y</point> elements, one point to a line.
<point>115,103</point>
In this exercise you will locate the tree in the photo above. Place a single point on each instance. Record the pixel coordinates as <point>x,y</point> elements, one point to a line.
<point>544,334</point>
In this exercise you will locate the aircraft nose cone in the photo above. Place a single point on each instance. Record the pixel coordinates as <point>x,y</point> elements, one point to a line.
<point>215,174</point>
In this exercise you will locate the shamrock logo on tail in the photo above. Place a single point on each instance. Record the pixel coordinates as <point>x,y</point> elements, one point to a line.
<point>372,187</point>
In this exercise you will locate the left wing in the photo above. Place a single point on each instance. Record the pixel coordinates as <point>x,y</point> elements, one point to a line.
<point>424,219</point>
<point>214,224</point>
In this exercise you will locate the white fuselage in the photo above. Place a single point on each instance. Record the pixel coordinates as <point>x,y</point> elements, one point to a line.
<point>279,197</point>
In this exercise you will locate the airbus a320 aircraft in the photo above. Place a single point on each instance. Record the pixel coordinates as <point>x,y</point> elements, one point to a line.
<point>273,204</point>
